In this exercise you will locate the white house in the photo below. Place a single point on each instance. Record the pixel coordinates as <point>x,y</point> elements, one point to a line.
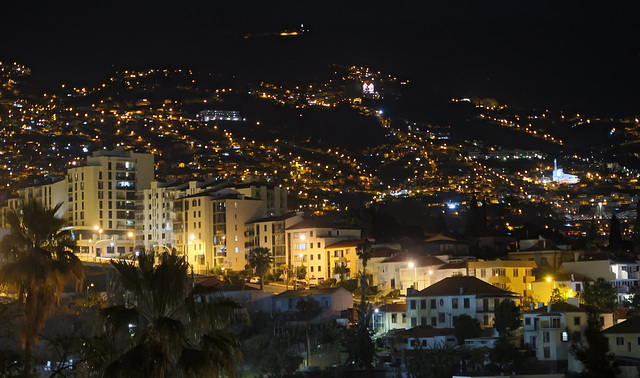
<point>550,330</point>
<point>331,301</point>
<point>441,303</point>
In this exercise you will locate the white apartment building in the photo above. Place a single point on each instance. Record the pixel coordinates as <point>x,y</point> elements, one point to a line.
<point>306,242</point>
<point>269,232</point>
<point>48,194</point>
<point>210,225</point>
<point>100,198</point>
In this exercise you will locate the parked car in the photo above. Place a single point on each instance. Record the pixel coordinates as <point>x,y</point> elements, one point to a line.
<point>255,280</point>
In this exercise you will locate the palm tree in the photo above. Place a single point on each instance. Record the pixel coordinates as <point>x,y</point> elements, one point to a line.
<point>260,259</point>
<point>39,260</point>
<point>341,270</point>
<point>169,326</point>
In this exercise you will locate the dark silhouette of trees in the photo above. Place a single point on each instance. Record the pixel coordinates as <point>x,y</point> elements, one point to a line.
<point>260,260</point>
<point>600,295</point>
<point>39,260</point>
<point>507,318</point>
<point>615,237</point>
<point>466,327</point>
<point>167,326</point>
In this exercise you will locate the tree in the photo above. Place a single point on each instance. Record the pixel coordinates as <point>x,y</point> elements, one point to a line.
<point>436,362</point>
<point>634,303</point>
<point>341,271</point>
<point>561,293</point>
<point>168,326</point>
<point>466,327</point>
<point>601,295</point>
<point>507,318</point>
<point>358,341</point>
<point>595,355</point>
<point>260,259</point>
<point>615,237</point>
<point>39,260</point>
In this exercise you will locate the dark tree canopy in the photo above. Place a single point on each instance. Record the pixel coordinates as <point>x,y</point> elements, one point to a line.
<point>601,295</point>
<point>507,318</point>
<point>466,327</point>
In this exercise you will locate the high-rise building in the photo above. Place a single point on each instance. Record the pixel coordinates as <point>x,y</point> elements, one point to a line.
<point>101,198</point>
<point>210,225</point>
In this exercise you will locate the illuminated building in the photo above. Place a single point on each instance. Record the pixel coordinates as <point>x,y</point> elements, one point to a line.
<point>306,242</point>
<point>210,223</point>
<point>101,198</point>
<point>219,115</point>
<point>563,178</point>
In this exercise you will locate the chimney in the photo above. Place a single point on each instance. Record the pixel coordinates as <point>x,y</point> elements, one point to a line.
<point>572,278</point>
<point>540,304</point>
<point>533,306</point>
<point>549,307</point>
<point>461,290</point>
<point>575,301</point>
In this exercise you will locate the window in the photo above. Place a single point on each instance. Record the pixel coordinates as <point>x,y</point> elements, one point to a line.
<point>412,305</point>
<point>318,244</point>
<point>310,245</point>
<point>441,317</point>
<point>394,318</point>
<point>578,287</point>
<point>547,352</point>
<point>565,336</point>
<point>319,256</point>
<point>555,322</point>
<point>302,246</point>
<point>311,268</point>
<point>483,273</point>
<point>423,304</point>
<point>527,321</point>
<point>413,321</point>
<point>311,256</point>
<point>433,321</point>
<point>515,272</point>
<point>576,320</point>
<point>454,303</point>
<point>465,302</point>
<point>545,337</point>
<point>496,303</point>
<point>319,268</point>
<point>433,303</point>
<point>619,340</point>
<point>423,320</point>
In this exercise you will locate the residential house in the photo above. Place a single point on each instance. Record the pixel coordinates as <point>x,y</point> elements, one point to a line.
<point>343,254</point>
<point>389,316</point>
<point>306,242</point>
<point>623,273</point>
<point>543,288</point>
<point>550,330</point>
<point>331,301</point>
<point>544,252</point>
<point>405,270</point>
<point>515,276</point>
<point>441,303</point>
<point>624,343</point>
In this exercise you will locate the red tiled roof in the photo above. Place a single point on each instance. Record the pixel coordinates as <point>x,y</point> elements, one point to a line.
<point>393,307</point>
<point>304,293</point>
<point>345,243</point>
<point>631,325</point>
<point>312,223</point>
<point>417,259</point>
<point>461,285</point>
<point>558,308</point>
<point>384,252</point>
<point>458,265</point>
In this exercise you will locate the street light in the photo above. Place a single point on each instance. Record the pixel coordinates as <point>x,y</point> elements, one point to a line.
<point>415,275</point>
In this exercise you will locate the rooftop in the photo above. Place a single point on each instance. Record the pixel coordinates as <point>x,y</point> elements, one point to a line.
<point>461,285</point>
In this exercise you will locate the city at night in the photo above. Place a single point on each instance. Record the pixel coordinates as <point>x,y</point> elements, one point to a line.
<point>302,189</point>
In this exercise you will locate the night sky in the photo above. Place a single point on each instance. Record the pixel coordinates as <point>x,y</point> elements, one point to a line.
<point>578,55</point>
